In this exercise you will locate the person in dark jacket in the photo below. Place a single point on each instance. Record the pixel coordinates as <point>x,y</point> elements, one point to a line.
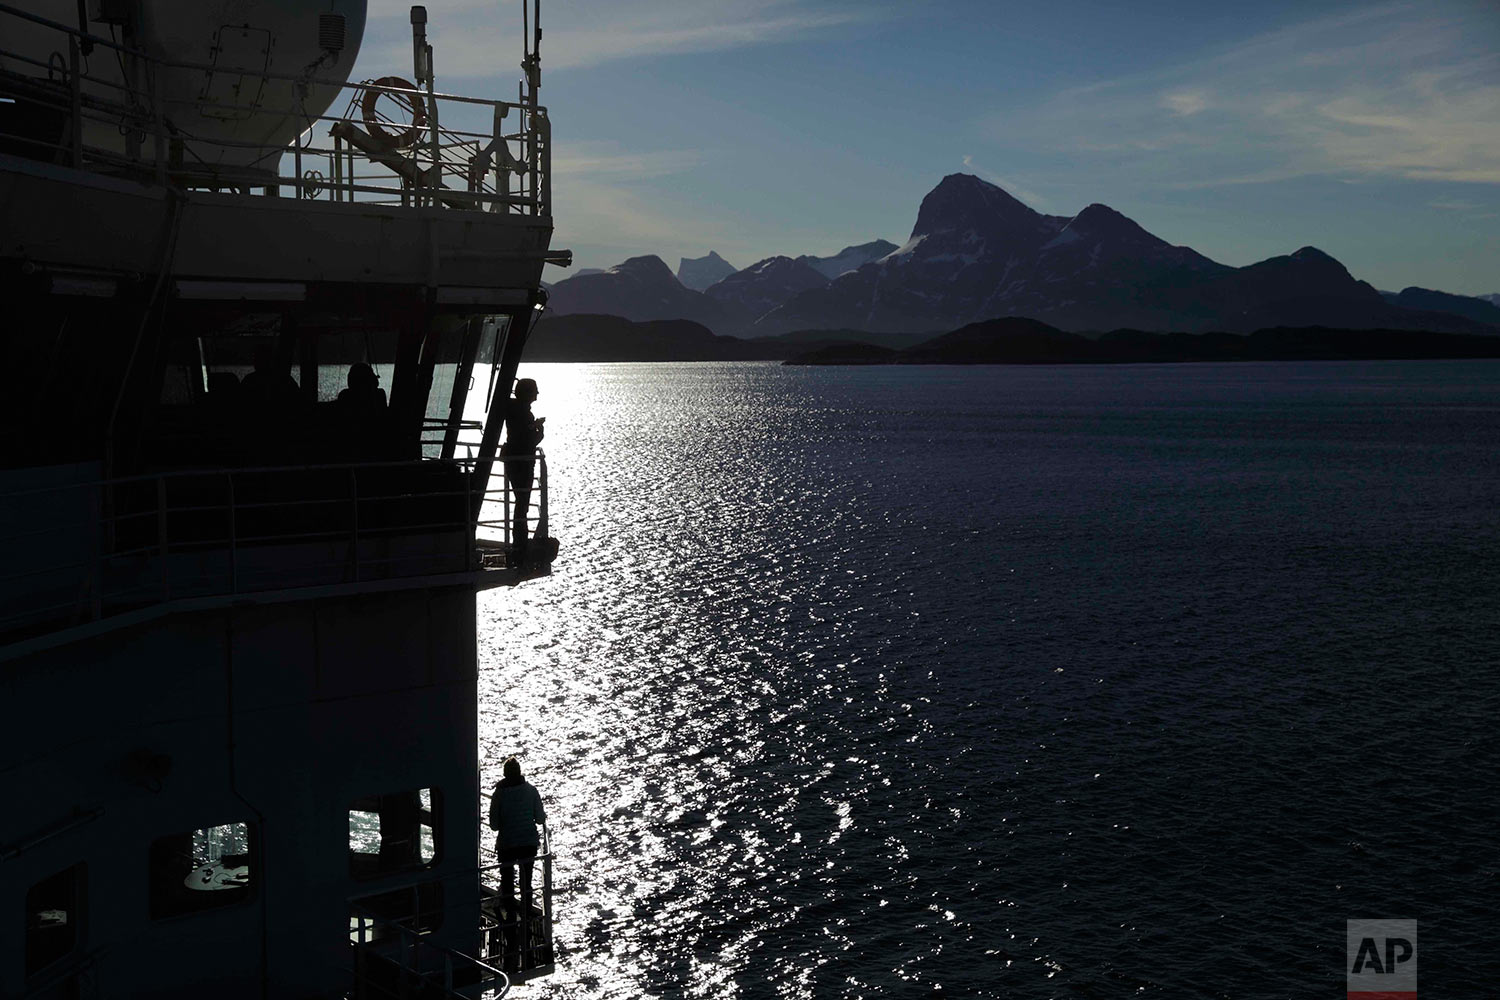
<point>364,394</point>
<point>523,433</point>
<point>515,810</point>
<point>363,415</point>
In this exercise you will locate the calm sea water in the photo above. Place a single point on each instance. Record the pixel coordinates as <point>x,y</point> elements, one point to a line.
<point>1021,682</point>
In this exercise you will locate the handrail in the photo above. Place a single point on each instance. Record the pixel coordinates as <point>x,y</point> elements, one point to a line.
<point>188,533</point>
<point>498,171</point>
<point>415,939</point>
<point>57,829</point>
<point>532,954</point>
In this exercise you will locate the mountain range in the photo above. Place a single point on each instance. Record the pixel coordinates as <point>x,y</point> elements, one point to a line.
<point>848,259</point>
<point>698,273</point>
<point>976,253</point>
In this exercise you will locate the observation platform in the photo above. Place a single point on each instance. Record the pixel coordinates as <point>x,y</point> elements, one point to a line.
<point>85,557</point>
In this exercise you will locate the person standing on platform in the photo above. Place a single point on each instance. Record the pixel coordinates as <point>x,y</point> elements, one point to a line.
<point>515,810</point>
<point>523,433</point>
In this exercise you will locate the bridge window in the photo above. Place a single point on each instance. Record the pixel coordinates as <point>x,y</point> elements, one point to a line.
<point>395,832</point>
<point>54,912</point>
<point>202,870</point>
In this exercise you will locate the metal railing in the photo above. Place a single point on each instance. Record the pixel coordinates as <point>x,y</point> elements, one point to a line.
<point>400,956</point>
<point>394,143</point>
<point>393,958</point>
<point>82,552</point>
<point>520,940</point>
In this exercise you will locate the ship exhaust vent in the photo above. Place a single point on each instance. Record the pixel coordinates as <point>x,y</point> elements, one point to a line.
<point>331,32</point>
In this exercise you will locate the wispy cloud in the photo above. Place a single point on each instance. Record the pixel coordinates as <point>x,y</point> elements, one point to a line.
<point>1400,90</point>
<point>606,204</point>
<point>1009,184</point>
<point>1185,102</point>
<point>607,160</point>
<point>477,36</point>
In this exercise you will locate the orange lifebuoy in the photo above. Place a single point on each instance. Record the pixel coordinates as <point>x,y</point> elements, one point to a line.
<point>392,85</point>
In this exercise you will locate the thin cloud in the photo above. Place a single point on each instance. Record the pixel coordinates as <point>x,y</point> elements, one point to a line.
<point>477,38</point>
<point>1185,103</point>
<point>603,160</point>
<point>1396,91</point>
<point>1010,186</point>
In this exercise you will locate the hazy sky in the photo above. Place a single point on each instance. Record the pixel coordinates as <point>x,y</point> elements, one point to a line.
<point>757,127</point>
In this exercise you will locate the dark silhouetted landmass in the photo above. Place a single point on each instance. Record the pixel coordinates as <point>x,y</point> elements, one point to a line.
<point>640,289</point>
<point>803,339</point>
<point>597,338</point>
<point>976,252</point>
<point>590,337</point>
<point>1017,340</point>
<point>1473,307</point>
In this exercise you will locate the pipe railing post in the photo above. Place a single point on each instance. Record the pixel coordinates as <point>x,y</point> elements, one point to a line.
<point>354,521</point>
<point>547,897</point>
<point>541,512</point>
<point>75,94</point>
<point>472,559</point>
<point>161,534</point>
<point>504,499</point>
<point>90,597</point>
<point>158,127</point>
<point>234,549</point>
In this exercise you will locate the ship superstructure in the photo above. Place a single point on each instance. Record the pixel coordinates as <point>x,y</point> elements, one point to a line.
<point>261,324</point>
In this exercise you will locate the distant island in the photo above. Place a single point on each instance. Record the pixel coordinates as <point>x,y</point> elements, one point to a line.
<point>1016,340</point>
<point>1008,340</point>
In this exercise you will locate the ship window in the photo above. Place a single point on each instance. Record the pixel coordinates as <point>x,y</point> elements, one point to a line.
<point>202,870</point>
<point>54,908</point>
<point>392,833</point>
<point>340,349</point>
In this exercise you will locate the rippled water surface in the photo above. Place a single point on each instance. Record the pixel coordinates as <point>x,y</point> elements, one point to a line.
<point>1022,682</point>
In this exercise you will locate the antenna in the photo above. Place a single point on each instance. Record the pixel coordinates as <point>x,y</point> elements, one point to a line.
<point>531,45</point>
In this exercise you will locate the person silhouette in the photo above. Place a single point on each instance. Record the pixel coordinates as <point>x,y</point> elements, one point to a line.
<point>364,393</point>
<point>363,414</point>
<point>515,810</point>
<point>269,402</point>
<point>523,433</point>
<point>270,385</point>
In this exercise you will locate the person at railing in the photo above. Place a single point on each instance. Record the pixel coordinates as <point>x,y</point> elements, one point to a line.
<point>270,402</point>
<point>515,810</point>
<point>362,410</point>
<point>523,433</point>
<point>270,385</point>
